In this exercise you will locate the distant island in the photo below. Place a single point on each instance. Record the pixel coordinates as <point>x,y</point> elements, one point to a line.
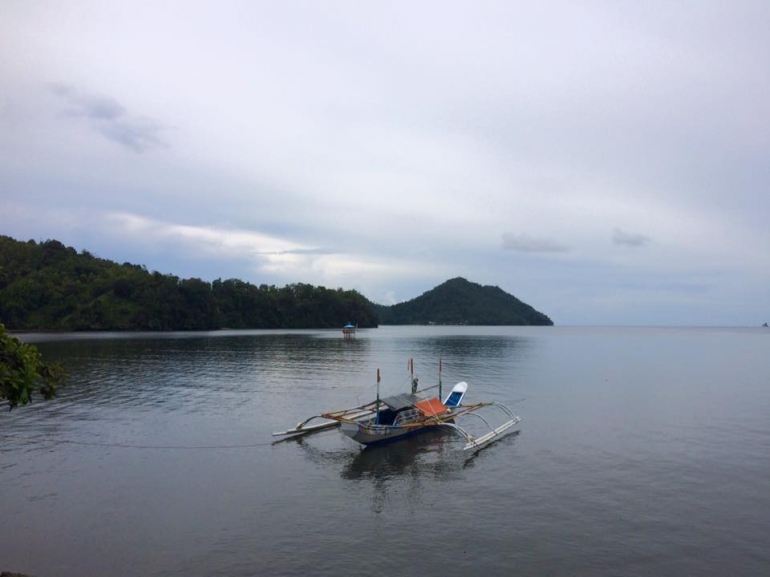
<point>461,302</point>
<point>47,286</point>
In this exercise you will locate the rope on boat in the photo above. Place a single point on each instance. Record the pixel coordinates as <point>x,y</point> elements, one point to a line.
<point>163,447</point>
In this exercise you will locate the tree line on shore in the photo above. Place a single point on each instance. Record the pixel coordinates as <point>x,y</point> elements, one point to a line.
<point>48,286</point>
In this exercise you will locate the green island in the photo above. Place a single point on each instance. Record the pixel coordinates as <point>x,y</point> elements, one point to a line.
<point>461,302</point>
<point>47,286</point>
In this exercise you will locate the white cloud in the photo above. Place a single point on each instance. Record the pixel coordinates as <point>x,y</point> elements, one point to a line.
<point>207,241</point>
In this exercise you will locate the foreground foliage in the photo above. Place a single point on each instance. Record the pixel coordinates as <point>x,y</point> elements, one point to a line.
<point>23,372</point>
<point>47,286</point>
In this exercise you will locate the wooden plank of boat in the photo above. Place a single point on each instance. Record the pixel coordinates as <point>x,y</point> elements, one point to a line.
<point>308,429</point>
<point>301,430</point>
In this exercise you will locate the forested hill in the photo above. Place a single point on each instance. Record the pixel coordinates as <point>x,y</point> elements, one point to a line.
<point>460,302</point>
<point>47,286</point>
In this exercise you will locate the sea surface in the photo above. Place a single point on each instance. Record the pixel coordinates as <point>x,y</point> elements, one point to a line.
<point>643,451</point>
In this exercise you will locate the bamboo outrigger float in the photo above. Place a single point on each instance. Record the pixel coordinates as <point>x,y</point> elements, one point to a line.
<point>399,416</point>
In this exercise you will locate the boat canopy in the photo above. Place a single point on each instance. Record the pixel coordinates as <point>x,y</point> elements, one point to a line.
<point>402,401</point>
<point>431,407</point>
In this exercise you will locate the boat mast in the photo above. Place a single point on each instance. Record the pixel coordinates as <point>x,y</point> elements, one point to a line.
<point>439,378</point>
<point>377,415</point>
<point>410,364</point>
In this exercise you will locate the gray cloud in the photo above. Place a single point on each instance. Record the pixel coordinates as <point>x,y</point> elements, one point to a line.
<point>138,135</point>
<point>622,238</point>
<point>98,107</point>
<point>111,119</point>
<point>526,243</point>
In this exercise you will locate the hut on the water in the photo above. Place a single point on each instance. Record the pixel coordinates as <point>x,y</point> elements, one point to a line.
<point>349,331</point>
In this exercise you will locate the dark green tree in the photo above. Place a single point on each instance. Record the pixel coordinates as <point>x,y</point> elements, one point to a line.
<point>23,372</point>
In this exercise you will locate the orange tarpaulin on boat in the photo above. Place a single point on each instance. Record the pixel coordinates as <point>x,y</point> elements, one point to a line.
<point>431,407</point>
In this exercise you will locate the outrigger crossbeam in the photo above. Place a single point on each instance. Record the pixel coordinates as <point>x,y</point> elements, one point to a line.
<point>494,433</point>
<point>303,428</point>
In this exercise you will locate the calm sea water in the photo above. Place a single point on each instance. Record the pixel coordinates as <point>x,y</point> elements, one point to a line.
<point>642,452</point>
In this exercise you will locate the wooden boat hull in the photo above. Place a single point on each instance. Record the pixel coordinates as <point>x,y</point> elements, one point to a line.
<point>369,434</point>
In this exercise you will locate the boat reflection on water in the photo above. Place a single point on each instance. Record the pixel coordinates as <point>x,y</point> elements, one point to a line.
<point>399,467</point>
<point>435,453</point>
<point>427,454</point>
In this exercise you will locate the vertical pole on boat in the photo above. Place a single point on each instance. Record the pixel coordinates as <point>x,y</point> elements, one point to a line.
<point>377,414</point>
<point>439,378</point>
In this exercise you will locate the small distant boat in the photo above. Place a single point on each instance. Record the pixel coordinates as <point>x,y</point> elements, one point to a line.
<point>349,331</point>
<point>403,415</point>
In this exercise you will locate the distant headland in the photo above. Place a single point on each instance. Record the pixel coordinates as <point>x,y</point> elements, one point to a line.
<point>461,302</point>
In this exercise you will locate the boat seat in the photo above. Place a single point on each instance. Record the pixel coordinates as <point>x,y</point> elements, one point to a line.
<point>454,398</point>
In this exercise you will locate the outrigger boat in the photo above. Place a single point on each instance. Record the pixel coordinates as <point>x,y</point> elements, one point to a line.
<point>399,416</point>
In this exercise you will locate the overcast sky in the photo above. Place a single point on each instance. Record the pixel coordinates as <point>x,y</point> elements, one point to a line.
<point>605,162</point>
